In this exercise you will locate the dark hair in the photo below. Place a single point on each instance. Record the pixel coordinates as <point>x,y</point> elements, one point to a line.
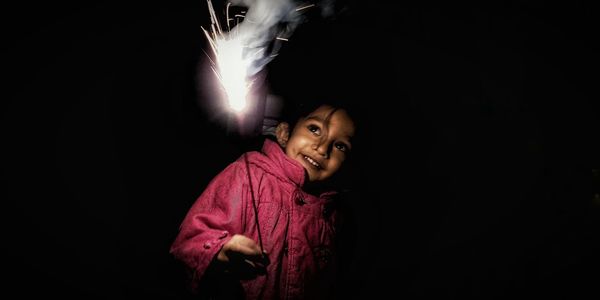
<point>294,111</point>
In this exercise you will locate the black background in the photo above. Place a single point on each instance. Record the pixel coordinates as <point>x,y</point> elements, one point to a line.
<point>471,182</point>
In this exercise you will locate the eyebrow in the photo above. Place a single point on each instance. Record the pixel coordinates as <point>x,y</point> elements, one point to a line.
<point>315,118</point>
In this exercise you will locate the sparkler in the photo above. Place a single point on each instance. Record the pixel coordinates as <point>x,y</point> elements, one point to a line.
<point>231,66</point>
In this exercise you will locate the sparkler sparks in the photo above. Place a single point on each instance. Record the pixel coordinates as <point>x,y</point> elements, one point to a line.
<point>240,50</point>
<point>230,64</point>
<point>304,7</point>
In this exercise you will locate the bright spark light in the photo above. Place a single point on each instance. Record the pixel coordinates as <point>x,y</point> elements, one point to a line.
<point>241,51</point>
<point>230,65</point>
<point>232,72</point>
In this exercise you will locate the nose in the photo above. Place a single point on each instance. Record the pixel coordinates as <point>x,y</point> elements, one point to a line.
<point>322,148</point>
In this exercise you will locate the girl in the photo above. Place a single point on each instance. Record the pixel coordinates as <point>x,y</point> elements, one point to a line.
<point>265,227</point>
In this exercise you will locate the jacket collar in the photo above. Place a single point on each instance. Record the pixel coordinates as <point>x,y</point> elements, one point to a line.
<point>285,166</point>
<point>279,164</point>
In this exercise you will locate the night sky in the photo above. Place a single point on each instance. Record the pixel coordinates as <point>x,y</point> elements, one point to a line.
<point>474,177</point>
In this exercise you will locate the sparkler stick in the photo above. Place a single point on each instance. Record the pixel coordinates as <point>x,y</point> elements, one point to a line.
<point>231,68</point>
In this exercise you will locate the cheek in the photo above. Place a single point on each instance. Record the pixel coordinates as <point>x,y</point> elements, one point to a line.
<point>294,142</point>
<point>335,164</point>
<point>292,145</point>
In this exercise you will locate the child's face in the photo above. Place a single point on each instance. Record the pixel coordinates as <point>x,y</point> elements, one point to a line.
<point>321,142</point>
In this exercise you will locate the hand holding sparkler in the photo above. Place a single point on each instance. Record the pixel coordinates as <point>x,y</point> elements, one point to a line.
<point>243,256</point>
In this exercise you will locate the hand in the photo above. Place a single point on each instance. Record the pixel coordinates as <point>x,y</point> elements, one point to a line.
<point>243,256</point>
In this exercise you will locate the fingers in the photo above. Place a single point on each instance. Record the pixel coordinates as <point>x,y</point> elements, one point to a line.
<point>244,245</point>
<point>243,257</point>
<point>242,248</point>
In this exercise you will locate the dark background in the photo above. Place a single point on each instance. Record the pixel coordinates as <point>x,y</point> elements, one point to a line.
<point>475,179</point>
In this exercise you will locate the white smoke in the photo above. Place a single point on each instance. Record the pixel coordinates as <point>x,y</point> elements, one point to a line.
<point>268,23</point>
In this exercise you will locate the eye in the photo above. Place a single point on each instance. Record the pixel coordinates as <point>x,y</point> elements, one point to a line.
<point>341,146</point>
<point>314,129</point>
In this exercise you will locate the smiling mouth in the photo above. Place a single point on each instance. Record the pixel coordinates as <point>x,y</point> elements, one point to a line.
<point>312,162</point>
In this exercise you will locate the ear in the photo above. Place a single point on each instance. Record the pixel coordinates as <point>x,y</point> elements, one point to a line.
<point>282,132</point>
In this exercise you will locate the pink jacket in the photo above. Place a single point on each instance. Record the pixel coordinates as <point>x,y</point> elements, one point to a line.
<point>297,228</point>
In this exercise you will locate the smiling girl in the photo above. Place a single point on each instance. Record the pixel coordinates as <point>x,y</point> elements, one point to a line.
<point>265,227</point>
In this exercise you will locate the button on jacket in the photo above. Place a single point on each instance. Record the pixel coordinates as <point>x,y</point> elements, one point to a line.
<point>297,228</point>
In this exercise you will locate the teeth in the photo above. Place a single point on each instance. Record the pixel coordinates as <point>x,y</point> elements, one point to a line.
<point>310,160</point>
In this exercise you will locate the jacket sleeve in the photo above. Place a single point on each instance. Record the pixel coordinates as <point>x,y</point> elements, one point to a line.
<point>211,221</point>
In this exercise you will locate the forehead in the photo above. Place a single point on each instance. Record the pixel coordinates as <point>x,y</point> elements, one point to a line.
<point>336,119</point>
